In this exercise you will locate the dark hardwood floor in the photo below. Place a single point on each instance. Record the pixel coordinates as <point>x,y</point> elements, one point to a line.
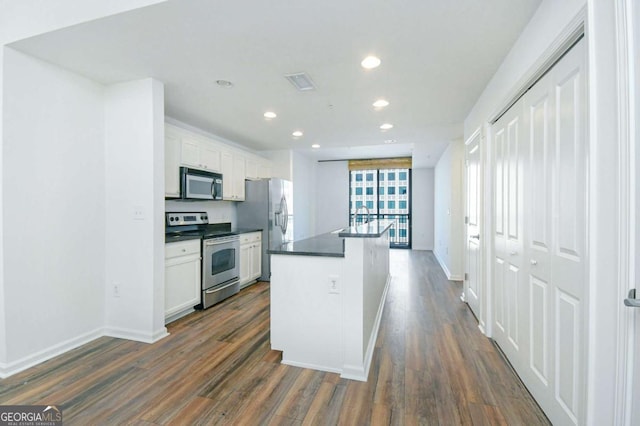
<point>431,366</point>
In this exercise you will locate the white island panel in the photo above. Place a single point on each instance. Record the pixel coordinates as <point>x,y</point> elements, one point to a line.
<point>330,329</point>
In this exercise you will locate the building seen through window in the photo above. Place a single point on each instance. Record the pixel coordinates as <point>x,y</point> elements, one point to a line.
<point>386,193</point>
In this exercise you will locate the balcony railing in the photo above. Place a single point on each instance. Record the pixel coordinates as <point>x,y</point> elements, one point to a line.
<point>399,234</point>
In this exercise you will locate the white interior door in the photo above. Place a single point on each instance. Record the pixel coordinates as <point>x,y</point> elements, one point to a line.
<point>509,292</point>
<point>473,253</point>
<point>540,237</point>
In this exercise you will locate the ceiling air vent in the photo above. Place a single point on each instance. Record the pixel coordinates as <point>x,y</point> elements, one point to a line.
<point>301,81</point>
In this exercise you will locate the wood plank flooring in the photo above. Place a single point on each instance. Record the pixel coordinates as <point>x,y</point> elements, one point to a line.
<point>431,366</point>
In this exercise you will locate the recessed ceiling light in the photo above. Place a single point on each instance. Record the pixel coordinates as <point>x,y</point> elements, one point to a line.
<point>381,103</point>
<point>270,114</point>
<point>390,141</point>
<point>386,126</point>
<point>297,133</point>
<point>315,146</point>
<point>224,83</point>
<point>370,62</point>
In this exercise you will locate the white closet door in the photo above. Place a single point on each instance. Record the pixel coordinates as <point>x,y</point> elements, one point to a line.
<point>550,353</point>
<point>509,303</point>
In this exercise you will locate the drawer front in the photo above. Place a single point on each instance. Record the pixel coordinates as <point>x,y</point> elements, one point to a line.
<point>181,248</point>
<point>251,237</point>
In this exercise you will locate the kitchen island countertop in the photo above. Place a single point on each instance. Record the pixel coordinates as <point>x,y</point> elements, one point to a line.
<point>331,244</point>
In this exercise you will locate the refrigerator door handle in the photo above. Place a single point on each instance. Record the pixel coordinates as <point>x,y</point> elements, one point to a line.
<point>285,210</point>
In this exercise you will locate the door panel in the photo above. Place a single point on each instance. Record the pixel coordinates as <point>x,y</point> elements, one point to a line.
<point>539,330</point>
<point>473,292</point>
<point>545,245</point>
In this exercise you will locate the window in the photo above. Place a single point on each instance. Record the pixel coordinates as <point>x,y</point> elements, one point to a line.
<point>386,193</point>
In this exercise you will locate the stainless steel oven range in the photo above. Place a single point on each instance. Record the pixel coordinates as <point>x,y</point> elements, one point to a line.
<point>220,253</point>
<point>220,268</point>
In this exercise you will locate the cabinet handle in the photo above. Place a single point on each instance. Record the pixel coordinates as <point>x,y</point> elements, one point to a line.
<point>534,262</point>
<point>183,250</point>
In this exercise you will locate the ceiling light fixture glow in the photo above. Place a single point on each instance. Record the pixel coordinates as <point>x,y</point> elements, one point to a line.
<point>386,126</point>
<point>315,146</point>
<point>297,134</point>
<point>370,62</point>
<point>381,103</point>
<point>270,114</point>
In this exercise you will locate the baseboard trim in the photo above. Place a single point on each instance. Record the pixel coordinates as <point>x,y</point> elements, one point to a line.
<point>450,276</point>
<point>311,366</point>
<point>9,369</point>
<point>130,334</point>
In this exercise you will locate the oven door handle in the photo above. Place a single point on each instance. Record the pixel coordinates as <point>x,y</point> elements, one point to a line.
<point>220,241</point>
<point>221,288</point>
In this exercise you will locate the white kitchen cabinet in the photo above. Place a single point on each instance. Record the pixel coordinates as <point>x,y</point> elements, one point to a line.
<point>251,167</point>
<point>233,176</point>
<point>250,257</point>
<point>182,278</point>
<point>171,166</point>
<point>264,169</point>
<point>257,167</point>
<point>200,154</point>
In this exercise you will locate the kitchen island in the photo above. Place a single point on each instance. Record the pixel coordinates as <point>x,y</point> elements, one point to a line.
<point>327,297</point>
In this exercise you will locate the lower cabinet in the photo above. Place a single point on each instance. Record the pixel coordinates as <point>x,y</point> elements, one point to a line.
<point>182,278</point>
<point>250,257</point>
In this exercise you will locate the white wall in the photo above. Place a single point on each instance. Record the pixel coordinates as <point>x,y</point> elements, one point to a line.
<point>448,211</point>
<point>550,19</point>
<point>332,196</point>
<point>422,208</point>
<point>304,196</point>
<point>26,18</point>
<point>53,199</point>
<point>134,117</point>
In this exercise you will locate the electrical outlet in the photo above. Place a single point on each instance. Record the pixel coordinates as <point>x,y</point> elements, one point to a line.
<point>138,213</point>
<point>334,287</point>
<point>116,289</point>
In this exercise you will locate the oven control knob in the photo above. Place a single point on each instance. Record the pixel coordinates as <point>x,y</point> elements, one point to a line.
<point>170,219</point>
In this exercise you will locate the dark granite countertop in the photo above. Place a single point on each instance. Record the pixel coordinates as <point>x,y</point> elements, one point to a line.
<point>373,229</point>
<point>324,245</point>
<point>172,237</point>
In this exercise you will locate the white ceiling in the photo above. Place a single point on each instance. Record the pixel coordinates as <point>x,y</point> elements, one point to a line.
<point>437,56</point>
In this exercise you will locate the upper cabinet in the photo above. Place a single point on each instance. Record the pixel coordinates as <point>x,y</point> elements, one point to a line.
<point>185,148</point>
<point>200,154</point>
<point>233,176</point>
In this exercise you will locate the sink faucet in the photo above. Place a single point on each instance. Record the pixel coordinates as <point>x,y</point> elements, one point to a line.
<point>355,217</point>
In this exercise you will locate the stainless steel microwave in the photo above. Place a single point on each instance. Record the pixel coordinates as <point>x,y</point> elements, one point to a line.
<point>200,185</point>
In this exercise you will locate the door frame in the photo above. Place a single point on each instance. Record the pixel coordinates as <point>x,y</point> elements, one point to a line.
<point>482,325</point>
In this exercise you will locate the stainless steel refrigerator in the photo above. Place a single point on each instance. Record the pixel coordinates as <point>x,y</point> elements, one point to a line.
<point>268,204</point>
